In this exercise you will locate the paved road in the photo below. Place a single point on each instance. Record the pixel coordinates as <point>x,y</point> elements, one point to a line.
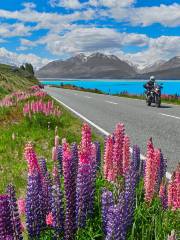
<point>141,122</point>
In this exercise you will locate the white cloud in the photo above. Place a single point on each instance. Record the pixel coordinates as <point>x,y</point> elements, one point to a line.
<point>162,48</point>
<point>91,40</point>
<point>73,4</point>
<point>166,15</point>
<point>16,29</point>
<point>112,3</point>
<point>13,58</point>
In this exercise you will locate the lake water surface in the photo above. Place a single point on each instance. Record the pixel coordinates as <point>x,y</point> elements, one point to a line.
<point>117,86</point>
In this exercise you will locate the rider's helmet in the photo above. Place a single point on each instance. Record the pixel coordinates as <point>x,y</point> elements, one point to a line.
<point>152,79</point>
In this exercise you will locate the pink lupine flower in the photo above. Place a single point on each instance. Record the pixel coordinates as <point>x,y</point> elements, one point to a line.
<point>21,206</point>
<point>126,155</point>
<point>49,219</point>
<point>174,190</point>
<point>172,236</point>
<point>54,154</point>
<point>108,157</point>
<point>118,149</point>
<point>86,145</point>
<point>56,141</point>
<point>31,158</point>
<point>151,171</point>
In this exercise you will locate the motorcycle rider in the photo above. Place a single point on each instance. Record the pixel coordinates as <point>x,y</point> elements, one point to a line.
<point>150,84</point>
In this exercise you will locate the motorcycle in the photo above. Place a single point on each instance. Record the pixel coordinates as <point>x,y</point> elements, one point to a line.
<point>154,96</point>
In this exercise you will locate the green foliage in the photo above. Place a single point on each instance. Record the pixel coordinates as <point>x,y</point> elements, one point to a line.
<point>29,68</point>
<point>13,79</point>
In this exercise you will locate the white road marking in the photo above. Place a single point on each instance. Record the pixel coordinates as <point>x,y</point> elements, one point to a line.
<point>75,94</point>
<point>111,102</point>
<point>87,97</point>
<point>168,175</point>
<point>169,116</point>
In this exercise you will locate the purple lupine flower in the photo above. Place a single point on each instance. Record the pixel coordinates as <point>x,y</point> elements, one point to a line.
<point>92,184</point>
<point>16,222</point>
<point>98,154</point>
<point>130,193</point>
<point>161,171</point>
<point>70,192</point>
<point>47,193</point>
<point>83,180</point>
<point>116,220</point>
<point>35,216</point>
<point>163,195</point>
<point>57,204</point>
<point>136,157</point>
<point>107,202</point>
<point>142,168</point>
<point>43,166</point>
<point>6,227</point>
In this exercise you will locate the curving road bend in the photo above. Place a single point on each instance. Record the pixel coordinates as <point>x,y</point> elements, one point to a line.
<point>141,122</point>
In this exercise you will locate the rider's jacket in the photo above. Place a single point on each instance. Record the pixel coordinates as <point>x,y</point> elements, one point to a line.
<point>149,85</point>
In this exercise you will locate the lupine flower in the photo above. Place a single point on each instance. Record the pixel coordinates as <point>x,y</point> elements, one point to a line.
<point>130,194</point>
<point>6,226</point>
<point>163,196</point>
<point>126,155</point>
<point>31,158</point>
<point>108,157</point>
<point>70,192</point>
<point>21,206</point>
<point>85,176</point>
<point>118,150</point>
<point>151,171</point>
<point>98,154</point>
<point>57,203</point>
<point>41,107</point>
<point>107,202</point>
<point>93,179</point>
<point>49,219</point>
<point>15,218</point>
<point>116,224</point>
<point>43,166</point>
<point>56,141</point>
<point>54,153</point>
<point>174,190</point>
<point>35,217</point>
<point>172,236</point>
<point>161,170</point>
<point>83,181</point>
<point>136,160</point>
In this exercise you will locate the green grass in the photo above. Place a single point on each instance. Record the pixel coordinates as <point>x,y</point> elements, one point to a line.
<point>13,80</point>
<point>13,167</point>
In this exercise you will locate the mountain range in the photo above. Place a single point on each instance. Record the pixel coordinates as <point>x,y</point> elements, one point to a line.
<point>103,66</point>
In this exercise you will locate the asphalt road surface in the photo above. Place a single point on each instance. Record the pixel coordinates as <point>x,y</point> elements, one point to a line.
<point>141,121</point>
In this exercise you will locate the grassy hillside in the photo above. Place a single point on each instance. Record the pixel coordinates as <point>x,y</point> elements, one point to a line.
<point>13,79</point>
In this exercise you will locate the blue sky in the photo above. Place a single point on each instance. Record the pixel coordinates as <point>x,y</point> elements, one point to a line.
<point>138,31</point>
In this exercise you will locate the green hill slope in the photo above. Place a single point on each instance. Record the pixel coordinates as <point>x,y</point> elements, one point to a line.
<point>13,79</point>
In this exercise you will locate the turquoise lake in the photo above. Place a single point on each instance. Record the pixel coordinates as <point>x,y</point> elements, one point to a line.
<point>117,86</point>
